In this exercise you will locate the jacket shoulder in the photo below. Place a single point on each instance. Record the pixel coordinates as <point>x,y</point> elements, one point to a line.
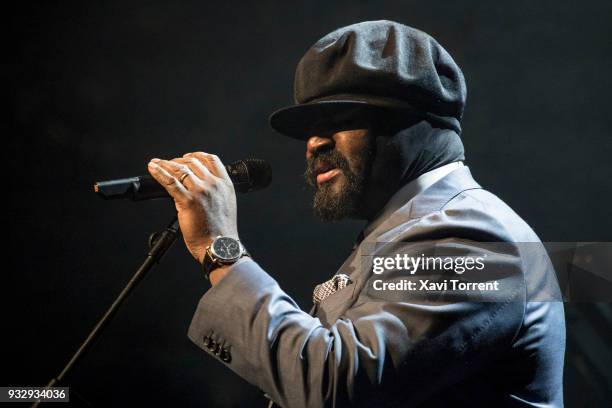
<point>490,215</point>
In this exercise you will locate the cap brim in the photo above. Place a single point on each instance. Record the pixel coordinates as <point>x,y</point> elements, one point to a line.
<point>302,121</point>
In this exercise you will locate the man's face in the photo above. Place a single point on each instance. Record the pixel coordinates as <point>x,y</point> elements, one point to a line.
<point>338,166</point>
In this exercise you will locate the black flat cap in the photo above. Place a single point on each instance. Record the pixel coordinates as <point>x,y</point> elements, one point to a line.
<point>369,67</point>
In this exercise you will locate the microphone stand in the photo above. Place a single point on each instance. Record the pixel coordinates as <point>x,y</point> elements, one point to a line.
<point>159,243</point>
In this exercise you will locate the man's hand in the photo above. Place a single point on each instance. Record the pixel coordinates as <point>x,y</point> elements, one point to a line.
<point>205,200</point>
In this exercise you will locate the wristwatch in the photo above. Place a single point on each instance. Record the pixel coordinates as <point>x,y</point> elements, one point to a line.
<point>222,251</point>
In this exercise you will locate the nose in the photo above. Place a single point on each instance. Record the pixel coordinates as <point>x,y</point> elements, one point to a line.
<point>316,143</point>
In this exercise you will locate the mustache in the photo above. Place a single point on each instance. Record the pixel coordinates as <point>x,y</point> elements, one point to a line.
<point>328,158</point>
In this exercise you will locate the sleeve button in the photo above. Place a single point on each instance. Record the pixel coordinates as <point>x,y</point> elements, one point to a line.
<point>226,355</point>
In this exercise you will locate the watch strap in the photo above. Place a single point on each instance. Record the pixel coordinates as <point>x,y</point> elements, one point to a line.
<point>208,264</point>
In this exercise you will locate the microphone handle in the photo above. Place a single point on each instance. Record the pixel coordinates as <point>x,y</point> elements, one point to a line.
<point>136,188</point>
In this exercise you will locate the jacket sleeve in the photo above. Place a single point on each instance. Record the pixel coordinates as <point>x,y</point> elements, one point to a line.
<point>387,347</point>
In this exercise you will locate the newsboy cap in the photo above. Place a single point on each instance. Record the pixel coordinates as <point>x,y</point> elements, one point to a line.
<point>373,65</point>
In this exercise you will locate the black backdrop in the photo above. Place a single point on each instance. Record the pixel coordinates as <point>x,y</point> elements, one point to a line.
<point>96,89</point>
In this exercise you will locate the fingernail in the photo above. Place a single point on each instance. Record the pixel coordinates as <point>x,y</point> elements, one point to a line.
<point>153,165</point>
<point>155,160</point>
<point>187,155</point>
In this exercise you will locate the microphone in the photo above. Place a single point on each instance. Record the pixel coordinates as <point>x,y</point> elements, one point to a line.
<point>247,175</point>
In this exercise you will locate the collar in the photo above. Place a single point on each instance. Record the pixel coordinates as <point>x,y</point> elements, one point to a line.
<point>408,192</point>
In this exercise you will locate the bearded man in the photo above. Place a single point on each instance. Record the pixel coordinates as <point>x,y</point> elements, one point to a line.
<point>379,105</point>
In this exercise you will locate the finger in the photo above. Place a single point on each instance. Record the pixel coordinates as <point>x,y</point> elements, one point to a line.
<point>178,171</point>
<point>212,163</point>
<point>176,190</point>
<point>195,166</point>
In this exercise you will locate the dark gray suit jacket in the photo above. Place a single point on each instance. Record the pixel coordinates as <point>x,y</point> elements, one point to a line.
<point>366,347</point>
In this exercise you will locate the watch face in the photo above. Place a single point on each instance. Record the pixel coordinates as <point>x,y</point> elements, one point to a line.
<point>226,248</point>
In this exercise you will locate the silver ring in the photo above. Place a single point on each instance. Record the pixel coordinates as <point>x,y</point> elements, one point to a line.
<point>182,178</point>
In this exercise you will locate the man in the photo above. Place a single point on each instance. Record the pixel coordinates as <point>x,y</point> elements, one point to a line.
<point>380,105</point>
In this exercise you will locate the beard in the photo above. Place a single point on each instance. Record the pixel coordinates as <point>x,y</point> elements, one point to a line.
<point>343,197</point>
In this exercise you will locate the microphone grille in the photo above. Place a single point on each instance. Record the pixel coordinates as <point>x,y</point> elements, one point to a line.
<point>254,174</point>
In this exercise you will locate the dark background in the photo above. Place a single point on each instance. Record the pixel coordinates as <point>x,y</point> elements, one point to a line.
<point>96,89</point>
